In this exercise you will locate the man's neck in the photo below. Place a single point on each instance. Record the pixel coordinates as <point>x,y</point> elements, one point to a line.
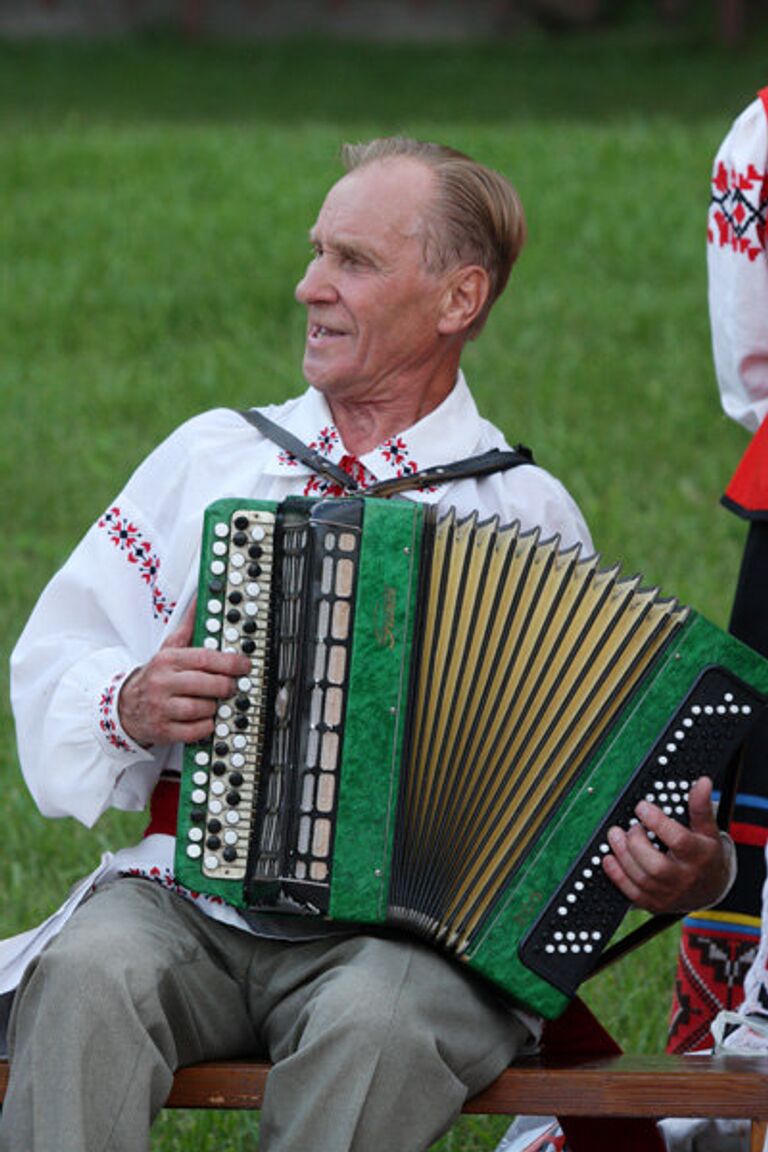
<point>364,424</point>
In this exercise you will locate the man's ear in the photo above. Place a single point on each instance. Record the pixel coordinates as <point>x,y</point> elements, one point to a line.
<point>464,299</point>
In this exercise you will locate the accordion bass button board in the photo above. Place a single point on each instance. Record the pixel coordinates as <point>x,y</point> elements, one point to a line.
<point>443,719</point>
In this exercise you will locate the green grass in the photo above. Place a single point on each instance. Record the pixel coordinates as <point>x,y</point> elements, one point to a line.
<point>155,205</point>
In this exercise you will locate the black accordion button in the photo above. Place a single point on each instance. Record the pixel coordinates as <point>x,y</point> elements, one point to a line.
<point>248,646</point>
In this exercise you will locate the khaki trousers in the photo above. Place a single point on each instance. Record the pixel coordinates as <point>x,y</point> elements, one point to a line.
<point>376,1041</point>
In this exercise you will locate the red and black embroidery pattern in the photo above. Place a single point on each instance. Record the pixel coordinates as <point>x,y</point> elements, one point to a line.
<point>318,486</point>
<point>165,877</point>
<point>137,549</point>
<point>394,453</point>
<point>108,717</point>
<point>738,210</point>
<point>710,978</point>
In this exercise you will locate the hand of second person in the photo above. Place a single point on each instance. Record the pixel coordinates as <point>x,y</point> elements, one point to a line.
<point>173,696</point>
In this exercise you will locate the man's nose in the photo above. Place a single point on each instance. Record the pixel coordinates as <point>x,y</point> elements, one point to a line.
<point>316,285</point>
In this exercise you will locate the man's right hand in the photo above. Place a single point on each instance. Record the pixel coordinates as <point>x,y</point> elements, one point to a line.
<point>174,696</point>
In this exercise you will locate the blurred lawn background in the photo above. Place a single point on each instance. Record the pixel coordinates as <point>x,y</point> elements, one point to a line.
<point>155,198</point>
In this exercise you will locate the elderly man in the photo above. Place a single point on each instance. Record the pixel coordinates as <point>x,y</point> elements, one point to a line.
<point>376,1040</point>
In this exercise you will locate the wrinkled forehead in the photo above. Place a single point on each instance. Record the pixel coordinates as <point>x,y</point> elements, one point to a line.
<point>385,198</point>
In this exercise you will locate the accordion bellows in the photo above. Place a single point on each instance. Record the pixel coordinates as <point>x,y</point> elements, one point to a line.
<point>443,719</point>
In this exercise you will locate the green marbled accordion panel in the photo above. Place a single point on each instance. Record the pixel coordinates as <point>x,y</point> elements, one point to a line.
<point>443,718</point>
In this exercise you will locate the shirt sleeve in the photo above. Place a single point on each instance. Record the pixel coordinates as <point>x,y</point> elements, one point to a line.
<point>737,267</point>
<point>104,613</point>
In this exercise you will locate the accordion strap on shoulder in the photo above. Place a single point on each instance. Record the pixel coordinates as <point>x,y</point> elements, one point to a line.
<point>495,460</point>
<point>285,439</point>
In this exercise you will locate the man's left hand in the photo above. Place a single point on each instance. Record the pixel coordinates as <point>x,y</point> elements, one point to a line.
<point>692,874</point>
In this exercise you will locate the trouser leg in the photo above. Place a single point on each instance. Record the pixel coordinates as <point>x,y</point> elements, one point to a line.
<point>126,993</point>
<point>376,1045</point>
<point>377,1042</point>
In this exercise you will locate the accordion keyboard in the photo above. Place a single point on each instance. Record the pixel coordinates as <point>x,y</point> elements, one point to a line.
<point>316,559</point>
<point>236,619</point>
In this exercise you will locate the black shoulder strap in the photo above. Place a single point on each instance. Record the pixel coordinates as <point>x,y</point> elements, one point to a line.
<point>285,439</point>
<point>495,460</point>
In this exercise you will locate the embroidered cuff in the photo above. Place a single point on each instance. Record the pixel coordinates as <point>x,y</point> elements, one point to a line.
<point>109,719</point>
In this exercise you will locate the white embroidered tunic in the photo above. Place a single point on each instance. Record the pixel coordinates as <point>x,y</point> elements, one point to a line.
<point>127,584</point>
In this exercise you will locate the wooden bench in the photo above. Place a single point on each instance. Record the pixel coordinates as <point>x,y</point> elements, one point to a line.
<point>624,1086</point>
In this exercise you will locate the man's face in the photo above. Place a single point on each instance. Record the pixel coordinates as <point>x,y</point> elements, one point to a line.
<point>372,307</point>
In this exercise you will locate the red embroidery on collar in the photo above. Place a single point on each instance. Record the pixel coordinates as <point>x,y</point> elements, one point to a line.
<point>394,452</point>
<point>319,486</point>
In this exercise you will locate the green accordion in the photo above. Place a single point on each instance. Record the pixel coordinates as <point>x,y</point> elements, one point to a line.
<point>443,719</point>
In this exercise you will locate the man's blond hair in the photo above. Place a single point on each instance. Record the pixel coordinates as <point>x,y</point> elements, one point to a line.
<point>478,216</point>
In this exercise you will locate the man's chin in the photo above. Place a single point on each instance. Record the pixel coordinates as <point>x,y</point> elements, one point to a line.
<point>325,382</point>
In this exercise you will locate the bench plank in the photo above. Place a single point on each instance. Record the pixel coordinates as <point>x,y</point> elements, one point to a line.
<point>628,1085</point>
<point>724,1086</point>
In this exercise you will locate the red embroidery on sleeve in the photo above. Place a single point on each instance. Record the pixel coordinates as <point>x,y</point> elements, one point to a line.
<point>738,210</point>
<point>107,716</point>
<point>137,549</point>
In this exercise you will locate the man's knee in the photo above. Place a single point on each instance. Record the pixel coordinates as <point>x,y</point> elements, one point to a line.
<point>406,1002</point>
<point>105,964</point>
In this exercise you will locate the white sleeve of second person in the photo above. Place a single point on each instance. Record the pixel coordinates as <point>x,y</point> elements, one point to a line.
<point>737,267</point>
